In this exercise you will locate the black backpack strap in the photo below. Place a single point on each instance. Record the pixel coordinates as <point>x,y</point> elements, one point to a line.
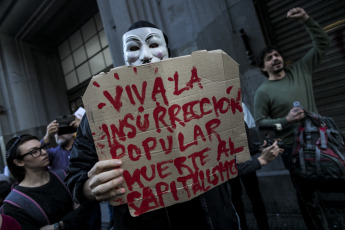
<point>301,161</point>
<point>323,139</point>
<point>23,201</point>
<point>318,160</point>
<point>61,175</point>
<point>307,133</point>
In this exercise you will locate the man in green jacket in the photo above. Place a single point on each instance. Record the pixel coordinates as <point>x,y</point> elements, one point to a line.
<point>274,99</point>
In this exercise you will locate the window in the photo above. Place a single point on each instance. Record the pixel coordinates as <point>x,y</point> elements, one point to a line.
<point>85,53</point>
<point>82,55</point>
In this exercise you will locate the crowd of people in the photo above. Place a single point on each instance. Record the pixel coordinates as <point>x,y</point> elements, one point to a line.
<point>60,187</point>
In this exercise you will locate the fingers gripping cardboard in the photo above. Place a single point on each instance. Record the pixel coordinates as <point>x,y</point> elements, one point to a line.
<point>176,124</point>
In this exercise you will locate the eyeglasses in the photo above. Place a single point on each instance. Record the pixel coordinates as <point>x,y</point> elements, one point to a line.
<point>35,152</point>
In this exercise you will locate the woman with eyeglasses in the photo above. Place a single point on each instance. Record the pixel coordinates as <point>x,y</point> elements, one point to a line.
<point>41,199</point>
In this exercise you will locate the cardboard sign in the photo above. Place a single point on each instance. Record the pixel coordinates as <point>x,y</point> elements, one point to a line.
<point>176,124</point>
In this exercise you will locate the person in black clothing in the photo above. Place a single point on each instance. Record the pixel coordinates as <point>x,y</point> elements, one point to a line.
<point>5,189</point>
<point>250,180</point>
<point>251,184</point>
<point>28,161</point>
<point>59,159</point>
<point>89,179</point>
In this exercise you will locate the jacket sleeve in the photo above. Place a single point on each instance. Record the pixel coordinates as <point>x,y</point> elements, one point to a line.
<point>83,157</point>
<point>79,217</point>
<point>248,167</point>
<point>320,45</point>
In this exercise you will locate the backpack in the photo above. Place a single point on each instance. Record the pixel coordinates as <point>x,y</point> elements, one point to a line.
<point>319,151</point>
<point>25,202</point>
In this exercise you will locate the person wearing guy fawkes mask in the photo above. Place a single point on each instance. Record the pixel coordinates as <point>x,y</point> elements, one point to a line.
<point>143,43</point>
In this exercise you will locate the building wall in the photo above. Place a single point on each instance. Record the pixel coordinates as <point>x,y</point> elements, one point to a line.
<point>31,90</point>
<point>32,87</point>
<point>191,25</point>
<point>85,53</point>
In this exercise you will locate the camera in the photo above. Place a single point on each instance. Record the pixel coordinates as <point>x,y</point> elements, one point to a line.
<point>272,128</point>
<point>64,124</point>
<point>271,141</point>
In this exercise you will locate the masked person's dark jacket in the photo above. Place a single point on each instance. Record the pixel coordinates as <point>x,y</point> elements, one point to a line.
<point>212,211</point>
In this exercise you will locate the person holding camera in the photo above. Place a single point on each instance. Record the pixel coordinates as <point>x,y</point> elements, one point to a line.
<point>59,156</point>
<point>63,130</point>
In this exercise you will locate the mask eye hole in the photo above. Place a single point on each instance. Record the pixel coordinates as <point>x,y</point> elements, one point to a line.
<point>154,45</point>
<point>134,48</point>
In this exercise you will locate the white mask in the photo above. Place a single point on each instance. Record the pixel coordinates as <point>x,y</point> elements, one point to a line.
<point>144,45</point>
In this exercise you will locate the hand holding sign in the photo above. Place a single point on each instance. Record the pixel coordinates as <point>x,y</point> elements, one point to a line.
<point>105,179</point>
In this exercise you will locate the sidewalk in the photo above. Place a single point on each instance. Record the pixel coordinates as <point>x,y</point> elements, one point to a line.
<point>291,221</point>
<point>279,222</point>
<point>276,222</point>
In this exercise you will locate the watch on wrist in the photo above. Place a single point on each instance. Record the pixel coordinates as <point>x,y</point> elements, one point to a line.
<point>57,226</point>
<point>61,225</point>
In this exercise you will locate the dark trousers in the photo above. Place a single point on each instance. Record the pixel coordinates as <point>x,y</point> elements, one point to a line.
<point>311,199</point>
<point>251,184</point>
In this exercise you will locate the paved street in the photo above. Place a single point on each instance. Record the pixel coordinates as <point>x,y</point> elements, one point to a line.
<point>277,221</point>
<point>286,221</point>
